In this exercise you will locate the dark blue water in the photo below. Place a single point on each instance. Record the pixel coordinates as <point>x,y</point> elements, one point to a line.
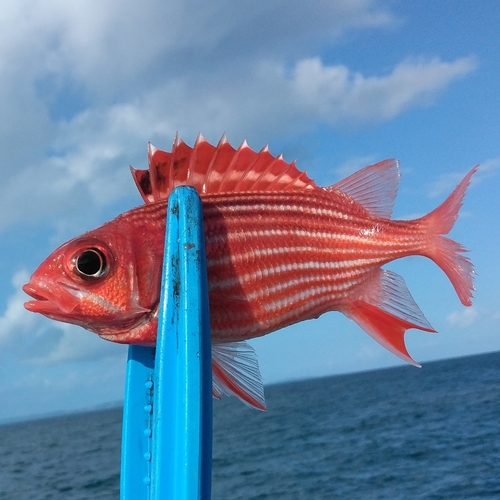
<point>397,433</point>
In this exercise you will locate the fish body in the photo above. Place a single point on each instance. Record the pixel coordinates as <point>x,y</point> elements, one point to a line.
<point>279,250</point>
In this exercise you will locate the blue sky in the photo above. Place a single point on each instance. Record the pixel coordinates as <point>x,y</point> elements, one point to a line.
<point>335,85</point>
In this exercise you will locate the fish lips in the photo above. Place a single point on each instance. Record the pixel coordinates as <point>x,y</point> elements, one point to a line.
<point>50,300</point>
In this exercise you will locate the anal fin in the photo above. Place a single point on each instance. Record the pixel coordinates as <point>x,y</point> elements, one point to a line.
<point>385,309</point>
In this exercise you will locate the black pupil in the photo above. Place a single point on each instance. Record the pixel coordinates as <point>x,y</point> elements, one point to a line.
<point>91,263</point>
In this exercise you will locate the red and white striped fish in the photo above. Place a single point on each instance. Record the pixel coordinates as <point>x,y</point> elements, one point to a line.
<point>279,249</point>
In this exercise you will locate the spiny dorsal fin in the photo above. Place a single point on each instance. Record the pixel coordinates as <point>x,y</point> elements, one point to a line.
<point>215,169</point>
<point>374,187</point>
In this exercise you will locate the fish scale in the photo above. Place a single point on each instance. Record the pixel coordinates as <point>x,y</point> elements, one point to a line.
<point>280,250</point>
<point>272,265</point>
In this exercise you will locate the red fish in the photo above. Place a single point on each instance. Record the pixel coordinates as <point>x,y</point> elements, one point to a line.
<point>279,250</point>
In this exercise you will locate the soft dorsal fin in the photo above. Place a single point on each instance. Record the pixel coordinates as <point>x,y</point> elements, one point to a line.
<point>216,169</point>
<point>374,187</point>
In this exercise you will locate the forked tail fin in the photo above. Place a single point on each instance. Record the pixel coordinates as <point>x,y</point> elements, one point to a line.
<point>385,309</point>
<point>446,253</point>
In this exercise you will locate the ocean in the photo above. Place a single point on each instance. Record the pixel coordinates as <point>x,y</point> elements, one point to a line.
<point>395,433</point>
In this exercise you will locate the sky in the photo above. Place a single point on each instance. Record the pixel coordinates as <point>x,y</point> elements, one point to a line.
<point>333,84</point>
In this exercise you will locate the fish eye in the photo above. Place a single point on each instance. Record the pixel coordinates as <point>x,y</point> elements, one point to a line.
<point>91,263</point>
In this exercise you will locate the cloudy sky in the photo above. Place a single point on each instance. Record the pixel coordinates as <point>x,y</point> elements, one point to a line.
<point>336,85</point>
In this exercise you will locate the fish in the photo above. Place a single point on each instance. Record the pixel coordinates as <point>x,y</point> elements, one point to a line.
<point>279,250</point>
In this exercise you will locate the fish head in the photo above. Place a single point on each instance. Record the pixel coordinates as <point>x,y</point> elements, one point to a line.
<point>107,281</point>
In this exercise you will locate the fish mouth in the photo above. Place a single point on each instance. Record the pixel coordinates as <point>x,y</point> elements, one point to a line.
<point>48,302</point>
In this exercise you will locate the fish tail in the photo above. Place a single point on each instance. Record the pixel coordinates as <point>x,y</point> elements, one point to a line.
<point>446,253</point>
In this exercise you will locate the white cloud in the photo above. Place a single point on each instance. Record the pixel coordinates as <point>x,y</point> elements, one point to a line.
<point>76,344</point>
<point>92,150</point>
<point>489,167</point>
<point>354,164</point>
<point>369,352</point>
<point>15,317</point>
<point>463,318</point>
<point>85,87</point>
<point>447,182</point>
<point>110,46</point>
<point>336,95</point>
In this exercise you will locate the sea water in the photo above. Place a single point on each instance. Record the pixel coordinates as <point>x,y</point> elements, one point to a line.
<point>396,433</point>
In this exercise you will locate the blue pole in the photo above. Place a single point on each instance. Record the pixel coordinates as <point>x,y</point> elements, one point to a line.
<point>183,378</point>
<point>136,430</point>
<point>167,428</point>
